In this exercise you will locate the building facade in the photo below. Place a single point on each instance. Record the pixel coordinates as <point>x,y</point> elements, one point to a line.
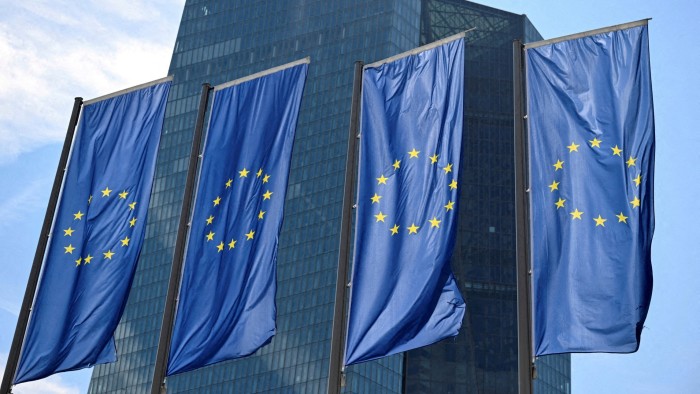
<point>222,40</point>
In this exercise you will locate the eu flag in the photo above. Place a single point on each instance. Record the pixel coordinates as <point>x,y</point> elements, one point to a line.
<point>591,123</point>
<point>227,306</point>
<point>404,295</point>
<point>96,236</point>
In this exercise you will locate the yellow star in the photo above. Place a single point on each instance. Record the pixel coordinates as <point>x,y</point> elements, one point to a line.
<point>595,143</point>
<point>261,214</point>
<point>376,198</point>
<point>450,206</point>
<point>559,165</point>
<point>413,229</point>
<point>573,147</point>
<point>382,180</point>
<point>621,218</point>
<point>576,214</point>
<point>560,203</point>
<point>210,219</point>
<point>88,259</point>
<point>631,161</point>
<point>210,236</point>
<point>434,222</point>
<point>108,254</point>
<point>599,221</point>
<point>123,195</point>
<point>266,178</point>
<point>77,262</point>
<point>68,232</point>
<point>89,199</point>
<point>638,180</point>
<point>243,173</point>
<point>397,164</point>
<point>220,246</point>
<point>250,235</point>
<point>267,195</point>
<point>132,206</point>
<point>433,159</point>
<point>69,248</point>
<point>616,151</point>
<point>380,216</point>
<point>453,184</point>
<point>125,241</point>
<point>217,200</point>
<point>105,192</point>
<point>259,173</point>
<point>447,168</point>
<point>554,186</point>
<point>413,154</point>
<point>78,215</point>
<point>229,182</point>
<point>132,222</point>
<point>232,244</point>
<point>395,229</point>
<point>635,203</point>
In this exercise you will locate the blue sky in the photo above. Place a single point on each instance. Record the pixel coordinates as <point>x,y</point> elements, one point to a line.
<point>52,51</point>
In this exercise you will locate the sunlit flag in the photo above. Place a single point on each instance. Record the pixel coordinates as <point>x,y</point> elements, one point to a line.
<point>97,234</point>
<point>591,123</point>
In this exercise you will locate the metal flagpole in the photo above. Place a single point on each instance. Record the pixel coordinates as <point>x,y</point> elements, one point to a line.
<point>526,365</point>
<point>158,383</point>
<point>336,375</point>
<point>32,282</point>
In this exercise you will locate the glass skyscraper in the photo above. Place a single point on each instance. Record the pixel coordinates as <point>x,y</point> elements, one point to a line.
<point>221,40</point>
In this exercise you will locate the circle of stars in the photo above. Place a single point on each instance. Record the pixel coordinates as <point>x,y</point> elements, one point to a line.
<point>384,181</point>
<point>573,211</point>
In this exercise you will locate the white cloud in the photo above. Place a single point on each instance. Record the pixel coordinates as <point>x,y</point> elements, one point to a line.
<point>23,202</point>
<point>10,307</point>
<point>136,11</point>
<point>52,51</point>
<point>51,385</point>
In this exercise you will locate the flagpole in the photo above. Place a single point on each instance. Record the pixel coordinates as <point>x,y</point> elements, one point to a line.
<point>160,369</point>
<point>526,365</point>
<point>336,375</point>
<point>32,282</point>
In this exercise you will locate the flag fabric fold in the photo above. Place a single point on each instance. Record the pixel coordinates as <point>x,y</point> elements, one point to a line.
<point>591,127</point>
<point>226,306</point>
<point>97,235</point>
<point>404,294</point>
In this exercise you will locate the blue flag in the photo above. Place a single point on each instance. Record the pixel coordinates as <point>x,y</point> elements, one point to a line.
<point>96,236</point>
<point>591,123</point>
<point>227,294</point>
<point>404,295</point>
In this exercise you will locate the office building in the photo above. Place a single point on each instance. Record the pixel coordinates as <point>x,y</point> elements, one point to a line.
<point>221,40</point>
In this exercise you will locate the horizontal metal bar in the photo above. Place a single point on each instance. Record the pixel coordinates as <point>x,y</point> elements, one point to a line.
<point>587,33</point>
<point>239,81</point>
<point>419,49</point>
<point>127,90</point>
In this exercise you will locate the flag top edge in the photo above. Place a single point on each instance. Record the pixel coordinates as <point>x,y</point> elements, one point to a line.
<point>127,90</point>
<point>420,49</point>
<point>623,26</point>
<point>306,60</point>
